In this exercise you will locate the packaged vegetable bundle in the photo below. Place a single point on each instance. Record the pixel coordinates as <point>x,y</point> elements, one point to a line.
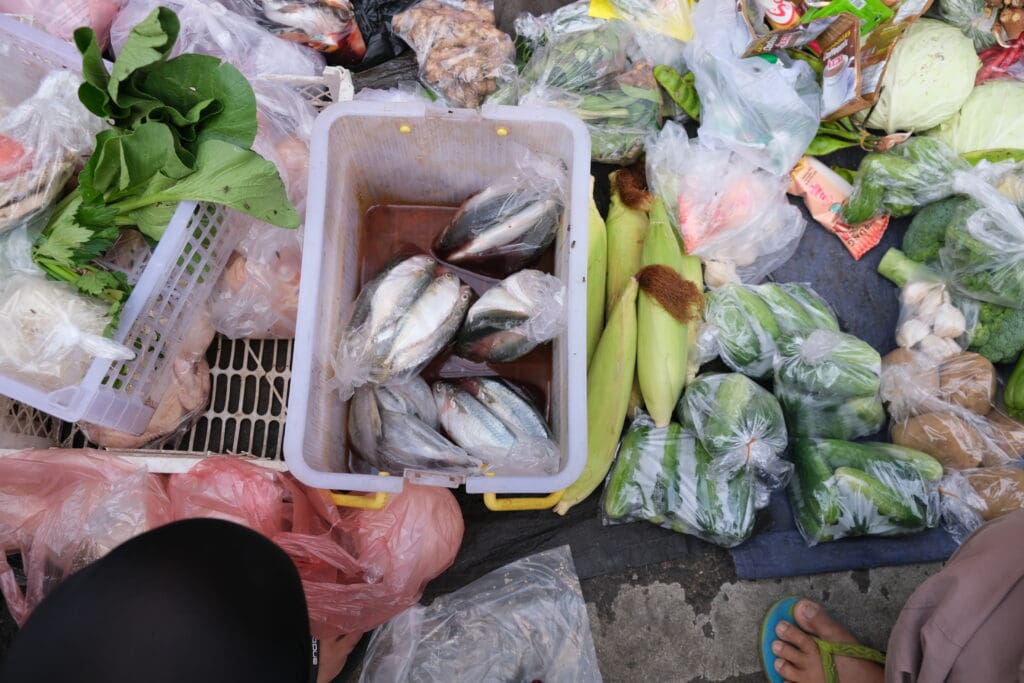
<point>731,214</point>
<point>666,477</point>
<point>946,409</point>
<point>828,384</point>
<point>972,497</point>
<point>841,489</point>
<point>743,323</point>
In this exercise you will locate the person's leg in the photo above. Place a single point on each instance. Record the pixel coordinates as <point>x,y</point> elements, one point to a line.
<point>202,601</point>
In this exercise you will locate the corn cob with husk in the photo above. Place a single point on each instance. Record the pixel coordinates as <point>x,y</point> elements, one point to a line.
<point>608,383</point>
<point>597,271</point>
<point>626,227</point>
<point>668,301</point>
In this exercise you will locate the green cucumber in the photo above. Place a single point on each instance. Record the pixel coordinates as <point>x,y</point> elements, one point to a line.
<point>816,483</point>
<point>817,309</point>
<point>620,493</point>
<point>887,502</point>
<point>927,466</point>
<point>789,314</point>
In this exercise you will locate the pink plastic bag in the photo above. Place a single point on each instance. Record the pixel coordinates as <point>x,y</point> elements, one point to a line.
<point>62,17</point>
<point>63,509</point>
<point>359,568</point>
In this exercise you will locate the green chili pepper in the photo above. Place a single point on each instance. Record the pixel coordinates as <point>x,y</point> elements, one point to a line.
<point>680,88</point>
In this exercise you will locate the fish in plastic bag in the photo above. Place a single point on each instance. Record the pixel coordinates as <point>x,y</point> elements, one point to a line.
<point>524,622</point>
<point>512,318</point>
<point>324,25</point>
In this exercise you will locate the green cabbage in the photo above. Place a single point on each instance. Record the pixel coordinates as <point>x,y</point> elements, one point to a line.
<point>991,118</point>
<point>930,74</point>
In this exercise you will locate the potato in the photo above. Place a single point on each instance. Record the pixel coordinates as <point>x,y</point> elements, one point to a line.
<point>910,383</point>
<point>1001,487</point>
<point>968,380</point>
<point>1006,433</point>
<point>949,439</point>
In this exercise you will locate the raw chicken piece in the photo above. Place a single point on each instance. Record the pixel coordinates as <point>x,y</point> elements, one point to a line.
<point>259,300</point>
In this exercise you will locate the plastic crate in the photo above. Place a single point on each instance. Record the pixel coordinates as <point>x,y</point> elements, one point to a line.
<point>175,282</point>
<point>367,153</point>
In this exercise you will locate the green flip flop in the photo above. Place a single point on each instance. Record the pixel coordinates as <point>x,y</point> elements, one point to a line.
<point>783,611</point>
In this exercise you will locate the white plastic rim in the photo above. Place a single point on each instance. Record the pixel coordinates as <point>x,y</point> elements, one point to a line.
<point>504,125</point>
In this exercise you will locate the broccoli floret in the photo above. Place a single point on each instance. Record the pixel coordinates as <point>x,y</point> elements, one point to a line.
<point>999,334</point>
<point>927,232</point>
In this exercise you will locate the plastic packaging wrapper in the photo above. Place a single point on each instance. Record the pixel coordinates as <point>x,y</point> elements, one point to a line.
<point>906,177</point>
<point>971,17</point>
<point>401,319</point>
<point>359,568</point>
<point>972,497</point>
<point>62,17</point>
<point>984,256</point>
<point>42,139</point>
<point>404,92</point>
<point>211,28</point>
<point>933,319</point>
<point>258,294</point>
<point>177,405</point>
<point>392,428</point>
<point>524,622</point>
<point>666,477</point>
<point>600,76</point>
<point>828,384</point>
<point>53,333</point>
<point>462,55</point>
<point>496,422</point>
<point>324,25</point>
<point>945,408</point>
<point>63,509</point>
<point>513,317</point>
<point>509,224</point>
<point>766,112</point>
<point>739,424</point>
<point>841,489</point>
<point>732,215</point>
<point>742,323</point>
<point>374,20</point>
<point>533,31</point>
<point>16,253</point>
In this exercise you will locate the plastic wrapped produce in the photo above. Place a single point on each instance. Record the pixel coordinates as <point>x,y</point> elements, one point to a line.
<point>496,423</point>
<point>742,323</point>
<point>841,489</point>
<point>62,17</point>
<point>731,214</point>
<point>946,409</point>
<point>510,223</point>
<point>665,476</point>
<point>462,54</point>
<point>210,28</point>
<point>534,30</point>
<point>42,139</point>
<point>513,317</point>
<point>739,424</point>
<point>972,497</point>
<point>828,384</point>
<point>766,112</point>
<point>526,621</point>
<point>401,319</point>
<point>324,25</point>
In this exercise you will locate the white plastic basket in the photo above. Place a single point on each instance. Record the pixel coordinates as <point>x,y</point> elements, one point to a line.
<point>366,153</point>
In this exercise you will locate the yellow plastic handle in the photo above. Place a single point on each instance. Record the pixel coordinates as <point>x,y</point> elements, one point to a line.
<point>374,502</point>
<point>495,504</point>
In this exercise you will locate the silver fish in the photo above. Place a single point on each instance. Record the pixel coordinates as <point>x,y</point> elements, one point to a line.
<point>410,443</point>
<point>469,423</point>
<point>501,229</point>
<point>365,430</point>
<point>428,325</point>
<point>326,25</point>
<point>391,291</point>
<point>517,413</point>
<point>413,397</point>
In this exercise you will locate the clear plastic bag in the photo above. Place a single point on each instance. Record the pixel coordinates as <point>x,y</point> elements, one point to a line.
<point>524,622</point>
<point>767,112</point>
<point>211,28</point>
<point>666,477</point>
<point>359,568</point>
<point>739,424</point>
<point>462,55</point>
<point>403,92</point>
<point>401,319</point>
<point>496,422</point>
<point>63,509</point>
<point>933,318</point>
<point>828,384</point>
<point>972,497</point>
<point>533,31</point>
<point>732,215</point>
<point>984,257</point>
<point>665,17</point>
<point>52,332</point>
<point>971,17</point>
<point>62,17</point>
<point>742,323</point>
<point>946,409</point>
<point>324,25</point>
<point>42,140</point>
<point>511,222</point>
<point>845,489</point>
<point>512,318</point>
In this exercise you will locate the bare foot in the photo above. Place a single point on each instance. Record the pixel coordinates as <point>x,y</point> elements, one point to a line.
<point>798,658</point>
<point>334,654</point>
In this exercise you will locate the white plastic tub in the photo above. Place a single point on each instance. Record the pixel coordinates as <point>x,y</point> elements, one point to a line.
<point>367,153</point>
